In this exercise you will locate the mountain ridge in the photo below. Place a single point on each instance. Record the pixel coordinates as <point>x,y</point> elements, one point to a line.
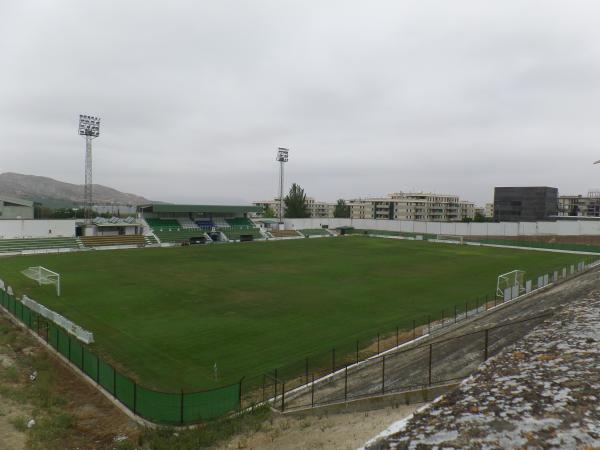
<point>54,193</point>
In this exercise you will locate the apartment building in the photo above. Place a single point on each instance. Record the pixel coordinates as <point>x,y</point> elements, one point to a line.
<point>580,205</point>
<point>413,206</point>
<point>317,209</point>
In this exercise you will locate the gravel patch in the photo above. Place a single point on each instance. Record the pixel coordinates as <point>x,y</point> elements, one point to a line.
<point>543,392</point>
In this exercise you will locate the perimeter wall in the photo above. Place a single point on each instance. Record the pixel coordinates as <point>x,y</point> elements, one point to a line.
<point>42,228</point>
<point>563,228</point>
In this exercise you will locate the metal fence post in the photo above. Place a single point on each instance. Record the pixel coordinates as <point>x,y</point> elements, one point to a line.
<point>383,374</point>
<point>276,380</point>
<point>333,360</point>
<point>240,394</point>
<point>306,370</point>
<point>454,313</point>
<point>485,354</point>
<point>181,406</point>
<point>430,357</point>
<point>312,392</point>
<point>346,383</point>
<point>282,397</point>
<point>486,302</point>
<point>378,344</point>
<point>466,310</point>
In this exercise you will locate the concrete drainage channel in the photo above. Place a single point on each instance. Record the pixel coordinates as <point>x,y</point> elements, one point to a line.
<point>434,361</point>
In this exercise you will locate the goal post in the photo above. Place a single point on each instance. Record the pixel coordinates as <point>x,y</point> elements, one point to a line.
<point>513,280</point>
<point>43,276</point>
<point>450,238</point>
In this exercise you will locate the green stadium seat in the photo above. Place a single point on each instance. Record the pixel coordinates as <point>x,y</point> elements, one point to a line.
<point>17,245</point>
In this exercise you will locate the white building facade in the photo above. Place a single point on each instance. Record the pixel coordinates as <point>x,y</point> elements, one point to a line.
<point>580,205</point>
<point>315,208</point>
<point>413,206</point>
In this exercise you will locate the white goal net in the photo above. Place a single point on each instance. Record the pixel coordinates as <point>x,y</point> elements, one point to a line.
<point>513,281</point>
<point>450,238</point>
<point>43,276</point>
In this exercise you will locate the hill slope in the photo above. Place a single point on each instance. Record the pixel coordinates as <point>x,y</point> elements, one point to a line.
<point>56,194</point>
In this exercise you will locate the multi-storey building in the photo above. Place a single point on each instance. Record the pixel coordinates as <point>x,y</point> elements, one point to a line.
<point>580,205</point>
<point>315,208</point>
<point>489,211</point>
<point>413,206</point>
<point>528,203</point>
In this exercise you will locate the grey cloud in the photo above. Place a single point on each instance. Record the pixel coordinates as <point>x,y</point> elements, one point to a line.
<point>371,97</point>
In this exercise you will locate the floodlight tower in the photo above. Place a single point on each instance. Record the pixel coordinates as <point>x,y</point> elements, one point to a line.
<point>282,157</point>
<point>89,126</point>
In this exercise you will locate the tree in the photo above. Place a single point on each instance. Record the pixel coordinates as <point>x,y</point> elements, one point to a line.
<point>268,212</point>
<point>341,209</point>
<point>479,217</point>
<point>295,203</point>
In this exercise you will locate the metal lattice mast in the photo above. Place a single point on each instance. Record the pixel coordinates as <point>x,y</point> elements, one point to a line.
<point>87,190</point>
<point>282,157</point>
<point>89,126</point>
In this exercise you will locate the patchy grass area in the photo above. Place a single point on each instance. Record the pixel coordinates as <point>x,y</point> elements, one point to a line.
<point>168,316</point>
<point>67,414</point>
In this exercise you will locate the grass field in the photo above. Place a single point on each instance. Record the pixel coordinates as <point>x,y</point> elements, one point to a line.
<point>166,316</point>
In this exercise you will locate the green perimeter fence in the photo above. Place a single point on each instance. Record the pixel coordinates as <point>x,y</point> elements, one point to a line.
<point>276,384</point>
<point>160,407</point>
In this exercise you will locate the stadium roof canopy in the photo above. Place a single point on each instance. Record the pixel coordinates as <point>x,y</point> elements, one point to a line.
<point>217,209</point>
<point>12,201</point>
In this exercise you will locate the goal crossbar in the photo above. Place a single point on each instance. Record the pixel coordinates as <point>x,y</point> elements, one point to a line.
<point>515,279</point>
<point>43,276</point>
<point>450,238</point>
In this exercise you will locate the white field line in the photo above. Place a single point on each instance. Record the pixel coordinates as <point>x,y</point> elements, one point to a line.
<point>552,250</point>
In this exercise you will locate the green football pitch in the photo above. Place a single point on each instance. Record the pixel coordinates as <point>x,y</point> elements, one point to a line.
<point>166,316</point>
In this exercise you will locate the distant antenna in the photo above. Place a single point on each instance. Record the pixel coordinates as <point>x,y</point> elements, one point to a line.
<point>89,126</point>
<point>282,157</point>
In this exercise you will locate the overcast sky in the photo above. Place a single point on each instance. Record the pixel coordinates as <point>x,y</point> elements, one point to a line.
<point>371,97</point>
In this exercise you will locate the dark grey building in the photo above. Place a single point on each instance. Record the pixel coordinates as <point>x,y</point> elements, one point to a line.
<point>526,204</point>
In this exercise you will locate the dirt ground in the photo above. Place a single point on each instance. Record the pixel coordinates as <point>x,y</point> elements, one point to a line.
<point>68,413</point>
<point>338,431</point>
<point>10,437</point>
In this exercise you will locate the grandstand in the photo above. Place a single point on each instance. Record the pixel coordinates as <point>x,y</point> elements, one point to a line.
<point>187,223</point>
<point>242,233</point>
<point>190,223</point>
<point>18,245</point>
<point>205,224</point>
<point>162,224</point>
<point>179,235</point>
<point>284,233</point>
<point>102,241</point>
<point>240,222</point>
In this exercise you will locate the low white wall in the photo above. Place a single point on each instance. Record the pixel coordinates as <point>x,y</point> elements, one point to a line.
<point>29,228</point>
<point>562,228</point>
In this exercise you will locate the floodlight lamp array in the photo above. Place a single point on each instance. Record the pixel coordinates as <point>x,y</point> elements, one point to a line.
<point>89,125</point>
<point>282,154</point>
